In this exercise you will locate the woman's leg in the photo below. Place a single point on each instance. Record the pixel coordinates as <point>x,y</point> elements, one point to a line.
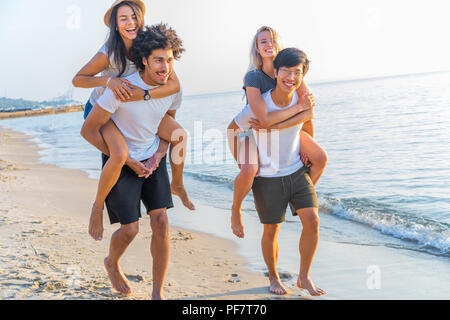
<point>171,131</point>
<point>315,154</point>
<point>233,140</point>
<point>246,156</point>
<point>118,151</point>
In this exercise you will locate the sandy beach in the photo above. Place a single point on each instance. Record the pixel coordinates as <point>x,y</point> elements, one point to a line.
<point>46,252</point>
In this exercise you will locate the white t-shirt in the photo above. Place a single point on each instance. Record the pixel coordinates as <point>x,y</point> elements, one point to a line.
<point>279,150</point>
<point>113,70</point>
<point>139,120</point>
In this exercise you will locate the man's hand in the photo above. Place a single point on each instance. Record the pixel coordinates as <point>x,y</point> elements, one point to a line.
<point>139,168</point>
<point>256,124</point>
<point>153,162</point>
<point>305,159</point>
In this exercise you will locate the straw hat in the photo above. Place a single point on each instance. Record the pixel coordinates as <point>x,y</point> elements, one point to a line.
<point>117,2</point>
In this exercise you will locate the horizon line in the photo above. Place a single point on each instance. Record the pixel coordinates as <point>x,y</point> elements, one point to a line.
<point>322,82</point>
<point>314,83</point>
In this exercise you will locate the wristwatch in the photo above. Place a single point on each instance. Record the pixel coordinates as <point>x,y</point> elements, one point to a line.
<point>146,95</point>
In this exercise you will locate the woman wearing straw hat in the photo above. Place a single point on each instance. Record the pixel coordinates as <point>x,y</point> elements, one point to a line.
<point>125,19</point>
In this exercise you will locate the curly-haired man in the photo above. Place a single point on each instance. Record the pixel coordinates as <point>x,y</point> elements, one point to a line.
<point>154,51</point>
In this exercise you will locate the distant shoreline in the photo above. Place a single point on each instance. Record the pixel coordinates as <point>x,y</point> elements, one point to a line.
<point>40,112</point>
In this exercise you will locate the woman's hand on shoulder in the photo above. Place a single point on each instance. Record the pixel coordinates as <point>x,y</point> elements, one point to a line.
<point>137,94</point>
<point>120,88</point>
<point>306,102</point>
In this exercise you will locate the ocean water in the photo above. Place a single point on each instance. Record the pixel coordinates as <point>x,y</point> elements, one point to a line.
<point>386,185</point>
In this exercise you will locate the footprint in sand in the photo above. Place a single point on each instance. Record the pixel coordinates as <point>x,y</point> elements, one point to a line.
<point>284,275</point>
<point>134,278</point>
<point>234,278</point>
<point>8,166</point>
<point>180,235</point>
<point>4,178</point>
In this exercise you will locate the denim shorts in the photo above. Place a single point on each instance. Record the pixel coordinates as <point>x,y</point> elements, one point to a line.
<point>87,109</point>
<point>247,133</point>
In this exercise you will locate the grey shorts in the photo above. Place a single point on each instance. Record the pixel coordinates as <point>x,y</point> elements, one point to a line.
<point>272,195</point>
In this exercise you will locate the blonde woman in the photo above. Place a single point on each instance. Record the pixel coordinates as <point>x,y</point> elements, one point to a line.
<point>125,19</point>
<point>259,79</point>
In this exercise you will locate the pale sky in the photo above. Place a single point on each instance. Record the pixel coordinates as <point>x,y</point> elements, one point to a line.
<point>44,43</point>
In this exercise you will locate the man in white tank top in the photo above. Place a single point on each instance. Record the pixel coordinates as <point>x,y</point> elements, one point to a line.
<point>283,179</point>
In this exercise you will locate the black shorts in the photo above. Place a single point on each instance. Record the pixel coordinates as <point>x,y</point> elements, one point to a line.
<point>124,200</point>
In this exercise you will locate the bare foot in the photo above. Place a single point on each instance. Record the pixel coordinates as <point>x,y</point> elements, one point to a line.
<point>118,280</point>
<point>158,296</point>
<point>276,287</point>
<point>181,192</point>
<point>307,284</point>
<point>96,223</point>
<point>236,223</point>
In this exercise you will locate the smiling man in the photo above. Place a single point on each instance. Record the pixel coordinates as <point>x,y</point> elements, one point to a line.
<point>154,52</point>
<point>283,179</point>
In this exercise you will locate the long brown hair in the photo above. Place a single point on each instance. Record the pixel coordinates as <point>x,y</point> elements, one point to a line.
<point>115,44</point>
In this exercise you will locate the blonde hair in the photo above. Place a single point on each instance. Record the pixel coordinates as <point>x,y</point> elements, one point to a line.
<point>256,61</point>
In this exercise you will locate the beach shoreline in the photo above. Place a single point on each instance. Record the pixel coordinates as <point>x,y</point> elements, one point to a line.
<point>48,254</point>
<point>40,112</point>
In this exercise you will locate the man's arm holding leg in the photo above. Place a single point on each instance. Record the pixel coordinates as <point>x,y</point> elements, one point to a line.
<point>164,144</point>
<point>90,131</point>
<point>154,160</point>
<point>308,127</point>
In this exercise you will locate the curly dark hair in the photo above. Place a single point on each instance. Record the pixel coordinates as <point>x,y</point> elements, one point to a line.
<point>159,36</point>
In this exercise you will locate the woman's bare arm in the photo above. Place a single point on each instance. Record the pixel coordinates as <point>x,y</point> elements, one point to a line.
<point>171,87</point>
<point>308,126</point>
<point>299,118</point>
<point>86,77</point>
<point>266,118</point>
